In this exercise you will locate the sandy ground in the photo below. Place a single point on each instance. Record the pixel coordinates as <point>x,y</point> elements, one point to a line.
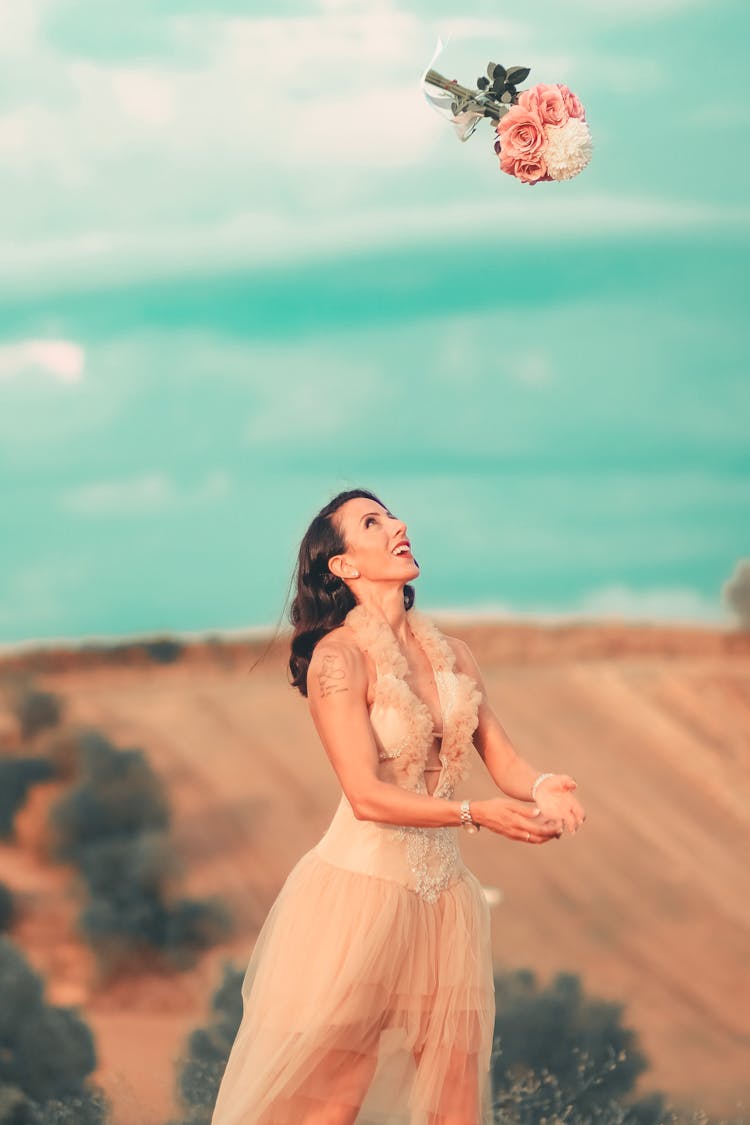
<point>649,903</point>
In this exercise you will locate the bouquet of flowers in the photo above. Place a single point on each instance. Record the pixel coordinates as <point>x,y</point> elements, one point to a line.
<point>541,133</point>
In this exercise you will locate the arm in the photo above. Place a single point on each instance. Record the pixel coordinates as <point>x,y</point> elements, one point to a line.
<point>510,772</point>
<point>337,694</point>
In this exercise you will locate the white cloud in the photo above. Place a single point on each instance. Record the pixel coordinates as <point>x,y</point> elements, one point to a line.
<point>608,603</point>
<point>144,96</point>
<point>64,360</point>
<point>146,494</point>
<point>19,24</point>
<point>668,603</point>
<point>266,237</point>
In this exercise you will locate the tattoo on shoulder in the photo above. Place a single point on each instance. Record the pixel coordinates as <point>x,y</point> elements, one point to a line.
<point>332,674</point>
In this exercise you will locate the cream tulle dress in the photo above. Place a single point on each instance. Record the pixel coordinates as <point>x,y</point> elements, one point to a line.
<point>369,995</point>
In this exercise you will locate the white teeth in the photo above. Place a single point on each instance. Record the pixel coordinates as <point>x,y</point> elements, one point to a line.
<point>402,549</point>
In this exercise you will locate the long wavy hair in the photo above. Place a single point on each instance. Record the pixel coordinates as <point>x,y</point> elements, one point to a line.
<point>322,600</point>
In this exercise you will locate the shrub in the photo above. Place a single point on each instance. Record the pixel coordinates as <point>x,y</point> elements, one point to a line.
<point>119,796</point>
<point>36,711</point>
<point>559,1031</point>
<point>736,592</point>
<point>17,775</point>
<point>46,1053</point>
<point>112,826</point>
<point>164,650</point>
<point>208,1050</point>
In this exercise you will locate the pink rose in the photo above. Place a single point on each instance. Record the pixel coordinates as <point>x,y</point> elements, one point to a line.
<point>507,163</point>
<point>572,103</point>
<point>546,102</point>
<point>521,133</point>
<point>526,169</point>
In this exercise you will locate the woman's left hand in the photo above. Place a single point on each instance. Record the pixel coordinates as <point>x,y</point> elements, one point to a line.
<point>554,796</point>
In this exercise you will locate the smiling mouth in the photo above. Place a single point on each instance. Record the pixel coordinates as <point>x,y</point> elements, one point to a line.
<point>403,551</point>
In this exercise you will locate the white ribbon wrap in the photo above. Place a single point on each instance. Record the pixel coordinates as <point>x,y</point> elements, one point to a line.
<point>441,101</point>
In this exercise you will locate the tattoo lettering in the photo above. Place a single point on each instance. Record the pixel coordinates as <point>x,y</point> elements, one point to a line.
<point>332,675</point>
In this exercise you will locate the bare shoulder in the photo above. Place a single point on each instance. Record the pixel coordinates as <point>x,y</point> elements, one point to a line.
<point>337,665</point>
<point>465,661</point>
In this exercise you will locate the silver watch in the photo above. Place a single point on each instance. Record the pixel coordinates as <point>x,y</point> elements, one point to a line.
<point>467,823</point>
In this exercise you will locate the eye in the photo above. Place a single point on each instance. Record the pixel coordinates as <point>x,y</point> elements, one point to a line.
<point>369,520</point>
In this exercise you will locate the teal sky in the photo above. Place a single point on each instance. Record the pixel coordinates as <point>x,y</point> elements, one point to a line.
<point>243,265</point>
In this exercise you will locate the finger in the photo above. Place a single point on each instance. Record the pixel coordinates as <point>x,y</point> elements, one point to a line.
<point>527,837</point>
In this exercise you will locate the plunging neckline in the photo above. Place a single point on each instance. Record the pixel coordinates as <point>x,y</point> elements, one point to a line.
<point>459,696</point>
<point>439,692</point>
<point>415,628</point>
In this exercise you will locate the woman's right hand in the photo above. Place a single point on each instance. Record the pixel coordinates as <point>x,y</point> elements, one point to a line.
<point>518,820</point>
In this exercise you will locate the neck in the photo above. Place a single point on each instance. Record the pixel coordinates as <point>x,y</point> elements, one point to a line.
<point>389,604</point>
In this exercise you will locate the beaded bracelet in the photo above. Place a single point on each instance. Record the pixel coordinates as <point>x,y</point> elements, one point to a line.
<point>538,782</point>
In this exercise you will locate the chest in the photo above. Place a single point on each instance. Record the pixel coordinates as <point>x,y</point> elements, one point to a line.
<point>428,688</point>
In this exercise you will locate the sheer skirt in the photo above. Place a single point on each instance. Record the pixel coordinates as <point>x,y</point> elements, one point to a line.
<point>365,1002</point>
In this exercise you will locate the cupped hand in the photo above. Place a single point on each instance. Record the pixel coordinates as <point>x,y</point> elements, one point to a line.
<point>518,820</point>
<point>555,798</point>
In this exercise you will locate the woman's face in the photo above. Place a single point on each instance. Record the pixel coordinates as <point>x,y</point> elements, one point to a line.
<point>376,542</point>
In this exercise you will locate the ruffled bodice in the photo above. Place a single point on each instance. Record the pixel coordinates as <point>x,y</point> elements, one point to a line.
<point>402,723</point>
<point>426,860</point>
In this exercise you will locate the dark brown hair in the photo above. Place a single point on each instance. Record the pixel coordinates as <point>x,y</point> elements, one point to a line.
<point>322,600</point>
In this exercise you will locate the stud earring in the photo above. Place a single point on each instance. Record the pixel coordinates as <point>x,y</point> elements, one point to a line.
<point>355,574</point>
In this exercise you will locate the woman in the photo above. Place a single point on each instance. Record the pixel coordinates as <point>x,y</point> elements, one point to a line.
<point>369,994</point>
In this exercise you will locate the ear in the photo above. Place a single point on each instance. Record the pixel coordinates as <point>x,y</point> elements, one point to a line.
<point>342,568</point>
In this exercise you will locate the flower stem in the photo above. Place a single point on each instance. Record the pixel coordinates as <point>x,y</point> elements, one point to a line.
<point>466,99</point>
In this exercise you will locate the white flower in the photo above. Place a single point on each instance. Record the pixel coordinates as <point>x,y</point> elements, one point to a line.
<point>568,149</point>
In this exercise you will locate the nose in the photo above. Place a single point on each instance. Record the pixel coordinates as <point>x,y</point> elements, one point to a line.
<point>400,527</point>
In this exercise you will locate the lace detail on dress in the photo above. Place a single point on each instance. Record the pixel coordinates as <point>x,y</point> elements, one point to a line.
<point>432,855</point>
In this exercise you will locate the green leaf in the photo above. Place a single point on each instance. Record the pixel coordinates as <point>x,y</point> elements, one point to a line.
<point>517,74</point>
<point>498,72</point>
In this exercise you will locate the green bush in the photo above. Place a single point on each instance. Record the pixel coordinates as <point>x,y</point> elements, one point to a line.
<point>36,711</point>
<point>164,650</point>
<point>559,1031</point>
<point>736,593</point>
<point>17,775</point>
<point>112,826</point>
<point>118,797</point>
<point>46,1053</point>
<point>200,1074</point>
